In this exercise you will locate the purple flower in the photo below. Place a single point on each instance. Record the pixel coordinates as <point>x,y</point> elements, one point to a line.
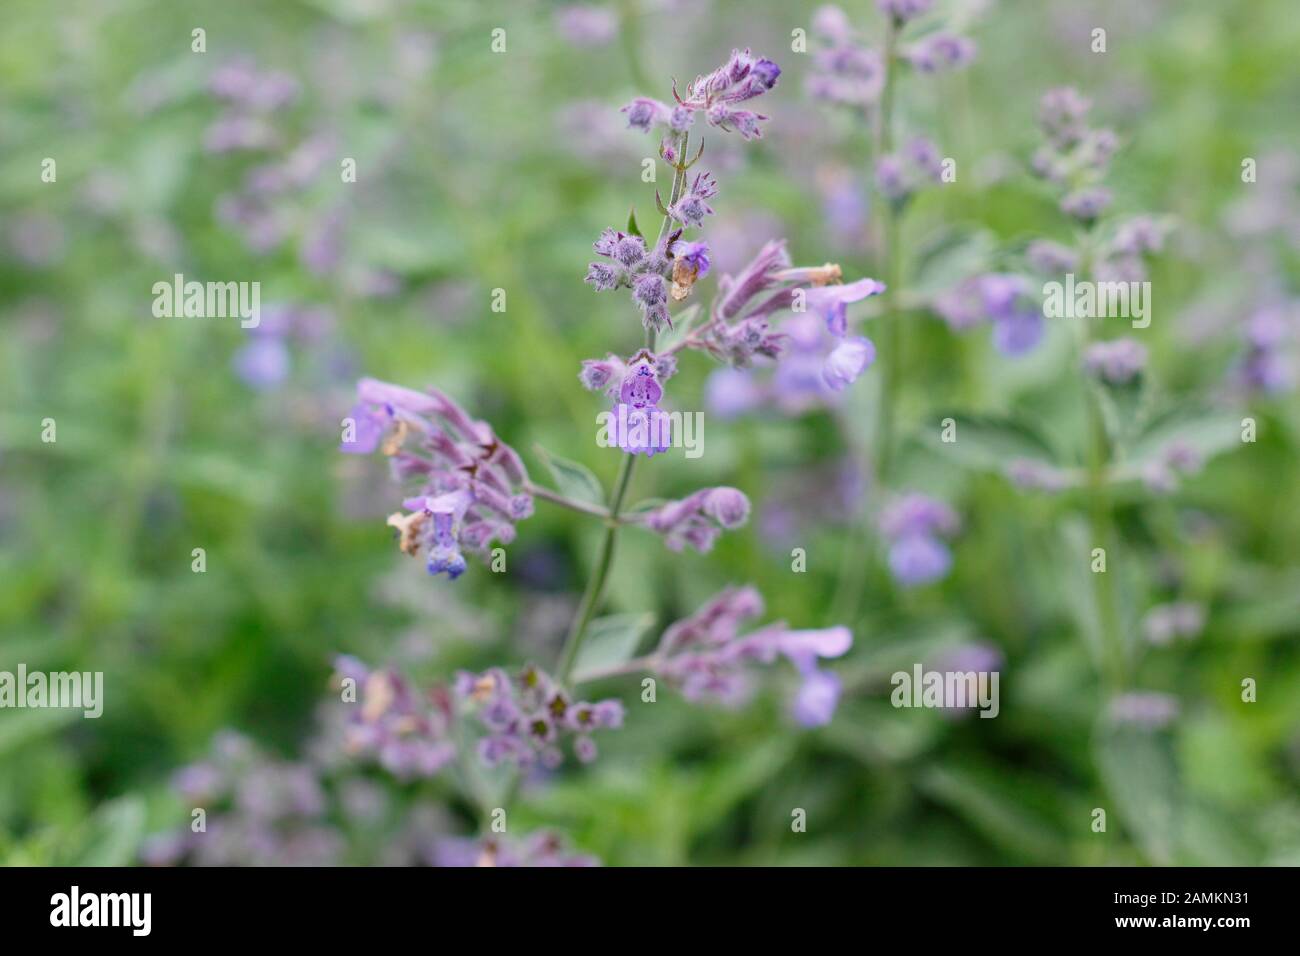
<point>707,657</point>
<point>1001,299</point>
<point>830,302</point>
<point>1018,332</point>
<point>913,525</point>
<point>586,26</point>
<point>1063,115</point>
<point>644,113</point>
<point>819,694</point>
<point>698,519</point>
<point>1117,362</point>
<point>691,208</point>
<point>847,361</point>
<point>844,73</point>
<point>1051,257</point>
<point>1146,709</point>
<point>904,10</point>
<point>263,363</point>
<point>472,485</point>
<point>1087,204</point>
<point>528,715</point>
<point>918,559</point>
<point>940,51</point>
<point>1166,623</point>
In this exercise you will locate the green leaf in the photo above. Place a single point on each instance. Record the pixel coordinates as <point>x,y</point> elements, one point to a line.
<point>632,227</point>
<point>572,479</point>
<point>989,444</point>
<point>111,837</point>
<point>611,641</point>
<point>998,807</point>
<point>1206,431</point>
<point>24,726</point>
<point>947,258</point>
<point>1141,777</point>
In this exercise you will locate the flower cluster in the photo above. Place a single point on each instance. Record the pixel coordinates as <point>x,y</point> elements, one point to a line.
<point>699,518</point>
<point>1004,300</point>
<point>1116,362</point>
<point>1271,332</point>
<point>667,271</point>
<point>1179,620</point>
<point>847,71</point>
<point>938,52</point>
<point>914,525</point>
<point>899,175</point>
<point>1075,155</point>
<point>259,811</point>
<point>404,731</point>
<point>707,657</point>
<point>470,487</point>
<point>264,362</point>
<point>716,95</point>
<point>637,425</point>
<point>739,329</point>
<point>529,715</point>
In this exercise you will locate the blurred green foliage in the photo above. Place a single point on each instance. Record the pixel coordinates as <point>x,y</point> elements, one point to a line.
<point>469,180</point>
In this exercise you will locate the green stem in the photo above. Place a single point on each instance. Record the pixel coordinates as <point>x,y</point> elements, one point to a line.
<point>1100,520</point>
<point>849,582</point>
<point>595,591</point>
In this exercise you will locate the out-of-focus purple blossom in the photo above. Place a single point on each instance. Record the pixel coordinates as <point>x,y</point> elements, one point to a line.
<point>847,361</point>
<point>406,732</point>
<point>1001,299</point>
<point>1051,258</point>
<point>913,525</point>
<point>707,657</point>
<point>528,715</point>
<point>845,72</point>
<point>263,363</point>
<point>584,25</point>
<point>899,175</point>
<point>901,11</point>
<point>1179,620</point>
<point>939,52</point>
<point>1160,474</point>
<point>541,849</point>
<point>698,519</point>
<point>1146,709</point>
<point>1269,365</point>
<point>1086,204</point>
<point>1118,361</point>
<point>1030,475</point>
<point>1063,116</point>
<point>1139,236</point>
<point>732,392</point>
